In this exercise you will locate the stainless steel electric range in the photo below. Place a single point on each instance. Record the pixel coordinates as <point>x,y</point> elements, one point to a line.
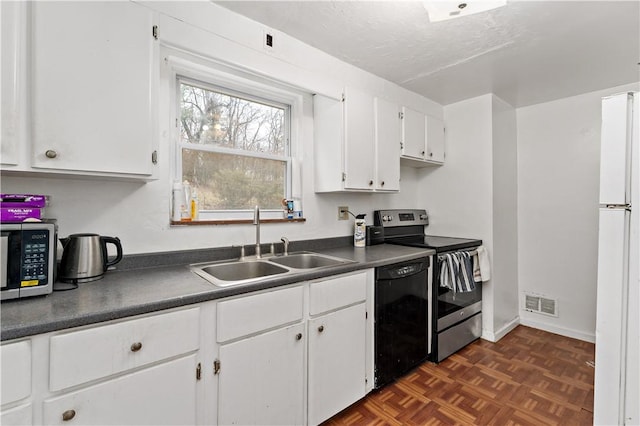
<point>456,317</point>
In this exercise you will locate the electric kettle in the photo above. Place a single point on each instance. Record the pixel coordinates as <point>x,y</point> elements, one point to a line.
<point>85,257</point>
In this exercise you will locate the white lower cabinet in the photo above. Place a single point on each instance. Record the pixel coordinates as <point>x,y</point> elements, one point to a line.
<point>287,356</point>
<point>336,362</point>
<point>309,356</point>
<point>17,416</point>
<point>261,358</point>
<point>261,379</point>
<point>15,359</point>
<point>16,383</point>
<point>142,370</point>
<point>161,395</point>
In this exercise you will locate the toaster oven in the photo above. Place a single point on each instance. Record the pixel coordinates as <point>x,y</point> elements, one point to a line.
<point>28,252</point>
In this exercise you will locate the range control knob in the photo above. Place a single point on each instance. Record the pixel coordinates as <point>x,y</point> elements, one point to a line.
<point>423,217</point>
<point>387,218</point>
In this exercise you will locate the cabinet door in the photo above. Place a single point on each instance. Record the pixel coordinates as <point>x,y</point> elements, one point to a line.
<point>336,362</point>
<point>12,75</point>
<point>161,395</point>
<point>261,379</point>
<point>16,371</point>
<point>17,416</point>
<point>93,85</point>
<point>388,135</point>
<point>435,140</point>
<point>413,133</point>
<point>359,154</point>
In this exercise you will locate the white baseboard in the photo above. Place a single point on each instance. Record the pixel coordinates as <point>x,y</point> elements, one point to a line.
<point>495,336</point>
<point>567,332</point>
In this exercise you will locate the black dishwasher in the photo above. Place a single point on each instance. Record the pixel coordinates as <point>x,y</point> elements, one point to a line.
<point>402,319</point>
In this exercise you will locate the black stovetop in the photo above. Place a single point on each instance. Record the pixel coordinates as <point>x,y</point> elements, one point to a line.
<point>438,243</point>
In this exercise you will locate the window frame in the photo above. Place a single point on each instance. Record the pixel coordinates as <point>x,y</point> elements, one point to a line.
<point>210,75</point>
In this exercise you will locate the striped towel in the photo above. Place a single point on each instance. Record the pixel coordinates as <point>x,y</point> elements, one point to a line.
<point>456,272</point>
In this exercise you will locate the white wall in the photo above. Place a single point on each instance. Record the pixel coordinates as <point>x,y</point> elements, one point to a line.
<point>458,195</point>
<point>505,218</point>
<point>474,195</point>
<point>139,213</point>
<point>558,183</point>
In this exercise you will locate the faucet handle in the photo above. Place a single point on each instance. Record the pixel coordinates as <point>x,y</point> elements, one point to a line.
<point>241,251</point>
<point>285,241</point>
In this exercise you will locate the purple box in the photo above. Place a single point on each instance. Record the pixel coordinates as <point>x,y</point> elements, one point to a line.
<point>19,214</point>
<point>23,200</point>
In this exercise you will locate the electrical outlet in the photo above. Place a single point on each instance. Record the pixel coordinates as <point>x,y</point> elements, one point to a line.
<point>342,212</point>
<point>268,40</point>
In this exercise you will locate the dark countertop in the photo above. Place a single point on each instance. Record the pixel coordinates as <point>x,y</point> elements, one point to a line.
<point>131,292</point>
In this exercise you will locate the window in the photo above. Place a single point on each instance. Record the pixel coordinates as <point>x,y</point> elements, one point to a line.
<point>234,148</point>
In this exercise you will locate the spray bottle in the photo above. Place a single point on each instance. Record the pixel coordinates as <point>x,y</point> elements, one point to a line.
<point>359,231</point>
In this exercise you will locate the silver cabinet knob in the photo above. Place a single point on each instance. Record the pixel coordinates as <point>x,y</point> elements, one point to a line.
<point>51,153</point>
<point>321,329</point>
<point>370,182</point>
<point>298,336</point>
<point>382,183</point>
<point>136,347</point>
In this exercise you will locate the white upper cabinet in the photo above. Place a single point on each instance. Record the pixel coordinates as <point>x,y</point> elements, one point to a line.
<point>413,133</point>
<point>435,140</point>
<point>13,84</point>
<point>359,154</point>
<point>346,133</point>
<point>93,83</point>
<point>388,135</point>
<point>422,139</point>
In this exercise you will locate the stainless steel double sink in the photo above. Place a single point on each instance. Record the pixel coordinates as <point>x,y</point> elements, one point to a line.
<point>228,273</point>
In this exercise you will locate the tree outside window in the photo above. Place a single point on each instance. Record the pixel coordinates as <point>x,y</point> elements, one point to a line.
<point>235,148</point>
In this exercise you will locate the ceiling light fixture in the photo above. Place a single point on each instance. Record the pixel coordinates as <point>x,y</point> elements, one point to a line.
<point>441,10</point>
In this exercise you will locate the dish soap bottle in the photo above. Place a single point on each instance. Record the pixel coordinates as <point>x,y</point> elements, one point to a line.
<point>359,231</point>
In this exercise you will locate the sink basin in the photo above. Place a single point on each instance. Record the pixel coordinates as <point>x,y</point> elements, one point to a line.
<point>226,274</point>
<point>307,261</point>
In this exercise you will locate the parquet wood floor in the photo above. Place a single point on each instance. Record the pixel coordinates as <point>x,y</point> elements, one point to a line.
<point>529,377</point>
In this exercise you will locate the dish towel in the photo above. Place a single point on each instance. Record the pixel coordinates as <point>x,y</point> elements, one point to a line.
<point>456,272</point>
<point>481,265</point>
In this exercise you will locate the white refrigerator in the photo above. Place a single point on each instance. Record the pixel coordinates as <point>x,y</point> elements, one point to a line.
<point>617,363</point>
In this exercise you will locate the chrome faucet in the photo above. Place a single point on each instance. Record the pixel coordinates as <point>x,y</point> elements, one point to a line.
<point>285,241</point>
<point>256,221</point>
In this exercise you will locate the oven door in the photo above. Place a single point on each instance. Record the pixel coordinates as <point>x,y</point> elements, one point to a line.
<point>455,307</point>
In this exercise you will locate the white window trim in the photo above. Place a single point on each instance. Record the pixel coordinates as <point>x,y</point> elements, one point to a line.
<point>213,74</point>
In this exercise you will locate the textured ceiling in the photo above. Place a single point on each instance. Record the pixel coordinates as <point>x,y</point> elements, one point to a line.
<point>526,53</point>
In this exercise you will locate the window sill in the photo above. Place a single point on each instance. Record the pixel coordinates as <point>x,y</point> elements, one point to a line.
<point>234,221</point>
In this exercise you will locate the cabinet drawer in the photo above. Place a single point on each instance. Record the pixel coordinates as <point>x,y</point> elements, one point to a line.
<point>337,292</point>
<point>251,314</point>
<point>81,356</point>
<point>164,394</point>
<point>16,371</point>
<point>17,416</point>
